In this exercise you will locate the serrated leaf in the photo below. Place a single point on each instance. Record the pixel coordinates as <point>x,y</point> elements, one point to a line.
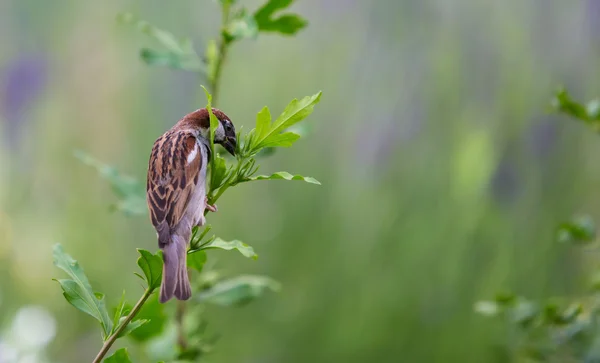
<point>131,326</point>
<point>296,111</point>
<point>151,266</point>
<point>131,193</point>
<point>120,356</point>
<point>78,291</point>
<point>284,175</point>
<point>238,290</point>
<point>288,24</point>
<point>196,260</point>
<point>581,230</point>
<point>218,243</point>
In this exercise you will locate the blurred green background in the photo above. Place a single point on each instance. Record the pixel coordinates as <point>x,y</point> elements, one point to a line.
<point>444,175</point>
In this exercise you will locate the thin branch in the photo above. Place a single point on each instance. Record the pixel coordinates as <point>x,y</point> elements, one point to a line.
<point>214,86</point>
<point>179,314</point>
<point>111,340</point>
<point>222,54</point>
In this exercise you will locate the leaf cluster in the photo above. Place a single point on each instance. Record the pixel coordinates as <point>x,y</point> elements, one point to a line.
<point>221,291</point>
<point>266,134</point>
<point>238,23</point>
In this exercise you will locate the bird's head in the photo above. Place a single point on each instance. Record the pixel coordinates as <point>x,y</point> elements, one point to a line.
<point>224,133</point>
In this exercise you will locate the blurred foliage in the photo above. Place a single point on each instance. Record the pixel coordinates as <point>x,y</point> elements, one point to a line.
<point>120,356</point>
<point>238,291</point>
<point>131,194</point>
<point>565,329</point>
<point>443,178</point>
<point>79,293</point>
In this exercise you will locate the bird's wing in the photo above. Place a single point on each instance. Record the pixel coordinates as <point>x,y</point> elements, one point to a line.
<point>173,172</point>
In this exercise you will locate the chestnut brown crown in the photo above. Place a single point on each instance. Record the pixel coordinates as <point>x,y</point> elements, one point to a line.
<point>224,134</point>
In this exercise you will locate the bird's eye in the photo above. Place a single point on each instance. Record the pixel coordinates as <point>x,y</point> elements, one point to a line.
<point>228,127</point>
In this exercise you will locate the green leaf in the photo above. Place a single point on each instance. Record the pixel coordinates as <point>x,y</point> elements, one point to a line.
<point>524,312</point>
<point>131,193</point>
<point>238,290</point>
<point>120,356</point>
<point>242,26</point>
<point>285,139</point>
<point>506,298</point>
<point>288,24</point>
<point>198,237</point>
<point>215,171</point>
<point>487,308</point>
<point>151,266</point>
<point>284,175</point>
<point>180,53</point>
<point>171,60</point>
<point>295,112</point>
<point>119,311</point>
<point>165,38</point>
<point>263,123</point>
<point>78,291</point>
<point>131,326</point>
<point>153,312</point>
<point>581,230</point>
<point>196,260</point>
<point>243,248</point>
<point>564,103</point>
<point>218,173</point>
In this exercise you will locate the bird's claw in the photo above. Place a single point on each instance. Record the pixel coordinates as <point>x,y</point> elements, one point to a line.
<point>212,208</point>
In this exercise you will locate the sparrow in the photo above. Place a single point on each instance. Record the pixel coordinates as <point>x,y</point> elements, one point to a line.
<point>176,191</point>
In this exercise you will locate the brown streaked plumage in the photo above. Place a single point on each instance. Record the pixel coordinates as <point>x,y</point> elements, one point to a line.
<point>176,191</point>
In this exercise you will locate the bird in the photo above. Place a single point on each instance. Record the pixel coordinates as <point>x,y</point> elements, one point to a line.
<point>176,191</point>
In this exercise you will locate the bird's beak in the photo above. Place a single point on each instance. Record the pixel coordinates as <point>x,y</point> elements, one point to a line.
<point>229,144</point>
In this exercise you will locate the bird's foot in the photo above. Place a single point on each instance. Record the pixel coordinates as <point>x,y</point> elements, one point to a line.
<point>212,208</point>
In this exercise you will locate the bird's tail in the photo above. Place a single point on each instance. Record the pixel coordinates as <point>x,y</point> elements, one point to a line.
<point>175,280</point>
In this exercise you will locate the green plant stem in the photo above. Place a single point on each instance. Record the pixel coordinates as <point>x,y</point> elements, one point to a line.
<point>213,199</point>
<point>222,53</point>
<point>179,314</point>
<point>214,86</point>
<point>111,340</point>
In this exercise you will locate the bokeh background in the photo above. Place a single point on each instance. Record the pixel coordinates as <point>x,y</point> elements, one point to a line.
<point>444,175</point>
